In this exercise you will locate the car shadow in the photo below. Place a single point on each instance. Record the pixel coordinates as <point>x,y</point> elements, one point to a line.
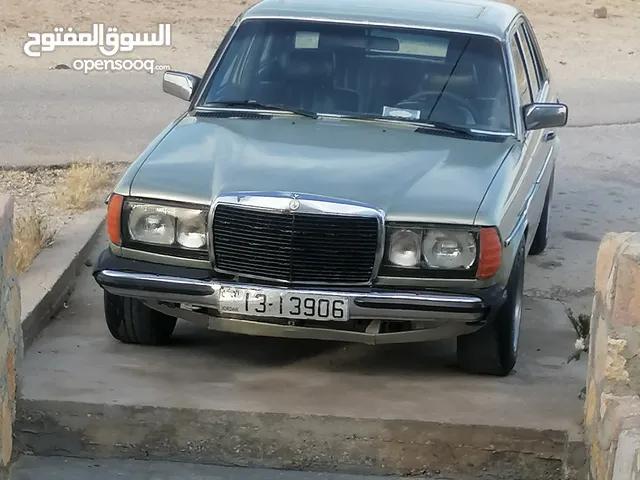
<point>269,352</point>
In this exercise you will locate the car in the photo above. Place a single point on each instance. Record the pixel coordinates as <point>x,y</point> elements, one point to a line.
<point>373,172</point>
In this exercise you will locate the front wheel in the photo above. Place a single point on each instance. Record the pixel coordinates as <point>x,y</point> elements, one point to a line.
<point>493,350</point>
<point>131,321</point>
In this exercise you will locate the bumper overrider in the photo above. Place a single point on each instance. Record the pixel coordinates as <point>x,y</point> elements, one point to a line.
<point>364,315</point>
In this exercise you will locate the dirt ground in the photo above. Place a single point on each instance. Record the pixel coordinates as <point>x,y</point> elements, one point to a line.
<point>574,40</point>
<point>47,199</point>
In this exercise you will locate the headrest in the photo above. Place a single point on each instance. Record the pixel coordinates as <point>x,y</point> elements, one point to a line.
<point>309,62</point>
<point>464,76</point>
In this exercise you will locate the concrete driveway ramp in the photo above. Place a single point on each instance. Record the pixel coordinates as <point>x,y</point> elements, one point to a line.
<point>301,405</point>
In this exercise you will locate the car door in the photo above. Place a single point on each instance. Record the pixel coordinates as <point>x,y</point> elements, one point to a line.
<point>540,145</point>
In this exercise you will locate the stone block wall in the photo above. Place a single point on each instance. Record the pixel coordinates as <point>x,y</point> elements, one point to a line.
<point>10,331</point>
<point>612,410</point>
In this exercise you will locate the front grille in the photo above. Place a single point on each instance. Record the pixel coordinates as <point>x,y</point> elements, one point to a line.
<point>294,247</point>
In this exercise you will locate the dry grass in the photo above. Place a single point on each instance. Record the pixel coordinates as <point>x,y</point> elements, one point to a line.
<point>81,185</point>
<point>31,235</point>
<point>48,198</point>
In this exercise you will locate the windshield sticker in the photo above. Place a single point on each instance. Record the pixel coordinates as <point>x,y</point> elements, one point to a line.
<point>307,40</point>
<point>403,113</point>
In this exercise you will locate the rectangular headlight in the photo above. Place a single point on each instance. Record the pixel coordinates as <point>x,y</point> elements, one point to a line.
<point>166,225</point>
<point>431,247</point>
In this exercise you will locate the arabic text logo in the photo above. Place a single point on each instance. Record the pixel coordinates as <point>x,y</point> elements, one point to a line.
<point>108,40</point>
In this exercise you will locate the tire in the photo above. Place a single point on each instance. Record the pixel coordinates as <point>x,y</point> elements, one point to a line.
<point>493,350</point>
<point>541,237</point>
<point>131,321</point>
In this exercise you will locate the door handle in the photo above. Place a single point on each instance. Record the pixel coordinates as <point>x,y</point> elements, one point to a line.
<point>549,136</point>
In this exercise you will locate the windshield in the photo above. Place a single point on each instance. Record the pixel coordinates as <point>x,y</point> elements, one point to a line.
<point>359,71</point>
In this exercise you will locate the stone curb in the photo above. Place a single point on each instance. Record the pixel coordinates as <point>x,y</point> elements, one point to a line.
<point>290,442</point>
<point>627,459</point>
<point>47,284</point>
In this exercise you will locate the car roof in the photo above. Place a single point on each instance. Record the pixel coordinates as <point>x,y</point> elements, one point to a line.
<point>484,17</point>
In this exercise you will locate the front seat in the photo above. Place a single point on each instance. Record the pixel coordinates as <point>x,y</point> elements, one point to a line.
<point>309,82</point>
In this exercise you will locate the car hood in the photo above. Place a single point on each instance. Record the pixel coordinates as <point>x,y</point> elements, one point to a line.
<point>410,176</point>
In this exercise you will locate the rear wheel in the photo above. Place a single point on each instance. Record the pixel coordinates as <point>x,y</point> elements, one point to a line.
<point>131,321</point>
<point>493,349</point>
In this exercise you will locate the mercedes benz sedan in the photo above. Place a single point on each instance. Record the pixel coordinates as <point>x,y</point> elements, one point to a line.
<point>371,172</point>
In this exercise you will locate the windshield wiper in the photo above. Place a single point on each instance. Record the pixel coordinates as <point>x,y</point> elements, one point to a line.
<point>263,106</point>
<point>449,128</point>
<point>416,123</point>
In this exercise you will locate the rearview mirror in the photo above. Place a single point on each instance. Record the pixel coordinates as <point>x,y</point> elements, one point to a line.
<point>545,115</point>
<point>368,42</point>
<point>178,84</point>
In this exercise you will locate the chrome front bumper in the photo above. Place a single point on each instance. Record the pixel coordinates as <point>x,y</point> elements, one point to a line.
<point>433,315</point>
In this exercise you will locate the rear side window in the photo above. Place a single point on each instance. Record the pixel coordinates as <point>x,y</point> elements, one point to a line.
<point>535,53</point>
<point>521,73</point>
<point>530,63</point>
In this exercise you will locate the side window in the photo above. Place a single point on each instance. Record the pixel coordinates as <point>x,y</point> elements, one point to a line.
<point>532,67</point>
<point>535,52</point>
<point>521,73</point>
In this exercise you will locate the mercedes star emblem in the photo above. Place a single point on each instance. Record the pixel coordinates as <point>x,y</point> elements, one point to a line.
<point>294,204</point>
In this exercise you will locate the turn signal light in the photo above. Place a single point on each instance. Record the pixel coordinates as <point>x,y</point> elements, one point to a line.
<point>490,253</point>
<point>114,215</point>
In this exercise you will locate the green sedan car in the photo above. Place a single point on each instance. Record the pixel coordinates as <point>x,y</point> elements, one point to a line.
<point>373,171</point>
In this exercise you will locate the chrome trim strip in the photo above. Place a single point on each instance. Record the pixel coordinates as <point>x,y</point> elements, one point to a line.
<point>163,258</point>
<point>160,280</point>
<point>522,217</point>
<point>213,287</point>
<point>312,204</point>
<point>545,165</point>
<point>522,220</point>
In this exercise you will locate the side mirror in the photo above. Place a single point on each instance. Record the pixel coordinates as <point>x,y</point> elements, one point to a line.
<point>178,84</point>
<point>545,115</point>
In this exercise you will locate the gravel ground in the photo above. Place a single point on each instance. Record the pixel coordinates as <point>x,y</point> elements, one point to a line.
<point>35,189</point>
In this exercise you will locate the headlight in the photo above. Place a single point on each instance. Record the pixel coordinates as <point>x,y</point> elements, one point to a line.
<point>442,249</point>
<point>404,248</point>
<point>453,249</point>
<point>160,225</point>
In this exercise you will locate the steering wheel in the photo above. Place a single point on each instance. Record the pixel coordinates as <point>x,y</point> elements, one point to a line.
<point>419,99</point>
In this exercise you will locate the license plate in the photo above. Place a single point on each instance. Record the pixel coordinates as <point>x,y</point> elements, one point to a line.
<point>279,304</point>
